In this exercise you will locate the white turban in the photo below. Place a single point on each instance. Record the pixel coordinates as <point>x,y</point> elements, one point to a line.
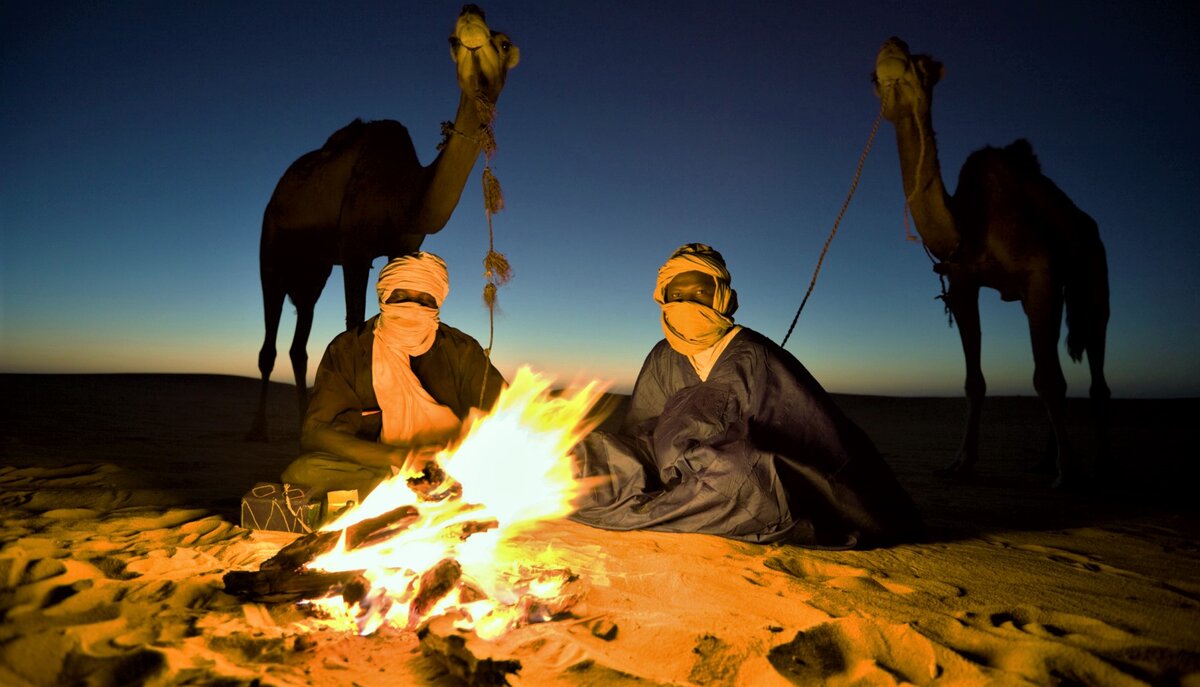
<point>423,272</point>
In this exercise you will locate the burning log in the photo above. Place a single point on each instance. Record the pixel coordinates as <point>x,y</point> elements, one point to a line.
<point>302,550</point>
<point>278,585</point>
<point>283,577</point>
<point>313,544</point>
<point>380,527</point>
<point>464,655</point>
<point>464,530</point>
<point>435,583</point>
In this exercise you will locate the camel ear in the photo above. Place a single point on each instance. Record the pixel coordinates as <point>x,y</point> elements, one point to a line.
<point>938,72</point>
<point>514,56</point>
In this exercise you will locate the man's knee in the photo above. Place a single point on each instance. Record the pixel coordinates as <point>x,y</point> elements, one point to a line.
<point>324,472</point>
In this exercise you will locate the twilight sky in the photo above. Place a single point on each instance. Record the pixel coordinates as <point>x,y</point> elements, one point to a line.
<point>142,140</point>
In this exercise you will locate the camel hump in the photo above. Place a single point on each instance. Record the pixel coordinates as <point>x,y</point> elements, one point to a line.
<point>358,130</point>
<point>1017,157</point>
<point>992,170</point>
<point>1020,155</point>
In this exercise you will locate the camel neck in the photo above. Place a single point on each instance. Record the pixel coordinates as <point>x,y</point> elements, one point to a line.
<point>446,176</point>
<point>923,187</point>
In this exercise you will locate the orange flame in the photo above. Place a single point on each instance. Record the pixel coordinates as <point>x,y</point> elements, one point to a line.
<point>515,470</point>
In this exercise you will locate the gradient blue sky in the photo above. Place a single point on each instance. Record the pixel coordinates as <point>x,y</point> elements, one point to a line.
<point>142,140</point>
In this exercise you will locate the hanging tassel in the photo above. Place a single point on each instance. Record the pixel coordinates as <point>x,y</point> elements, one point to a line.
<point>486,110</point>
<point>496,269</point>
<point>493,197</point>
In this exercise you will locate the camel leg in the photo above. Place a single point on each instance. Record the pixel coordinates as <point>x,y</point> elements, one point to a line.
<point>964,304</point>
<point>355,273</point>
<point>1099,393</point>
<point>1043,307</point>
<point>305,296</point>
<point>299,353</point>
<point>273,297</point>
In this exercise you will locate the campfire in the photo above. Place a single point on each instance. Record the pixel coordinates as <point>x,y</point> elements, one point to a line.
<point>441,546</point>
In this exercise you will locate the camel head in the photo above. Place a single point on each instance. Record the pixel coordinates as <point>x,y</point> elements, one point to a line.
<point>483,56</point>
<point>904,81</point>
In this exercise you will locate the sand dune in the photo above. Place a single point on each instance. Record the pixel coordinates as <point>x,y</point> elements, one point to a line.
<point>119,501</point>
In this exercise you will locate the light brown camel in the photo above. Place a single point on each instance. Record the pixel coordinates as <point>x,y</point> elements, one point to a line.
<point>1009,228</point>
<point>364,194</point>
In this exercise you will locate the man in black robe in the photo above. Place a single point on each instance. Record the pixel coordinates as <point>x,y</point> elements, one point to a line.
<point>729,434</point>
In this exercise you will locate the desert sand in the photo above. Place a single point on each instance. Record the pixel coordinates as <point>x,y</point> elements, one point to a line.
<point>119,511</point>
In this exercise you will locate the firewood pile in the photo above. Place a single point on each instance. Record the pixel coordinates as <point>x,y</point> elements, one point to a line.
<point>286,578</point>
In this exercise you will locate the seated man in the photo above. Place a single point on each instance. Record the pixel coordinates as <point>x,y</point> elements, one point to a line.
<point>728,434</point>
<point>391,392</point>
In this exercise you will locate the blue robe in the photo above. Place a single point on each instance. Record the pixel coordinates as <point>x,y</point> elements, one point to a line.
<point>757,452</point>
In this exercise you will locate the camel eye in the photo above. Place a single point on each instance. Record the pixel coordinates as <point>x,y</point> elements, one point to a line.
<point>505,45</point>
<point>454,42</point>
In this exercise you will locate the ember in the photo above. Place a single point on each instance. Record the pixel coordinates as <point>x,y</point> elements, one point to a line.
<point>411,552</point>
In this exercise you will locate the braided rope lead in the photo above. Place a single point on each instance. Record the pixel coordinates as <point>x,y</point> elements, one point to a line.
<point>862,159</point>
<point>496,270</point>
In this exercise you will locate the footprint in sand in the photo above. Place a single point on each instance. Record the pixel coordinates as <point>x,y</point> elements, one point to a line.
<point>15,499</point>
<point>867,651</point>
<point>17,571</point>
<point>1054,624</point>
<point>1050,647</point>
<point>83,474</point>
<point>1089,563</point>
<point>1076,560</point>
<point>54,657</point>
<point>717,663</point>
<point>849,578</point>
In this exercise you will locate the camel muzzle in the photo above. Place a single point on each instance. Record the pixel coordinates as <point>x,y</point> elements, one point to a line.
<point>471,31</point>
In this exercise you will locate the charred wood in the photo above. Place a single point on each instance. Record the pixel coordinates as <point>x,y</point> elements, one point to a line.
<point>464,655</point>
<point>277,585</point>
<point>298,553</point>
<point>435,583</point>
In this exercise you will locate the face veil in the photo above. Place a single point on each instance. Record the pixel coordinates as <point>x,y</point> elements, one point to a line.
<point>694,327</point>
<point>403,330</point>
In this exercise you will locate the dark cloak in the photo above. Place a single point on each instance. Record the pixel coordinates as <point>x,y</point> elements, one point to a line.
<point>758,452</point>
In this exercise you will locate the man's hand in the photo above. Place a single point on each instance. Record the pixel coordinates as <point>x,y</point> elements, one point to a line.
<point>414,462</point>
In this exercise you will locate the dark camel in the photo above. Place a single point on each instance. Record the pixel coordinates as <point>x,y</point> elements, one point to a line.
<point>1009,228</point>
<point>364,194</point>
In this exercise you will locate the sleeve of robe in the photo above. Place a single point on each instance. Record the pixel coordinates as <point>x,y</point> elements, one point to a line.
<point>649,393</point>
<point>758,452</point>
<point>458,373</point>
<point>342,389</point>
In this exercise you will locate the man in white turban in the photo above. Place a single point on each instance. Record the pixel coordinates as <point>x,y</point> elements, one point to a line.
<point>392,391</point>
<point>728,434</point>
